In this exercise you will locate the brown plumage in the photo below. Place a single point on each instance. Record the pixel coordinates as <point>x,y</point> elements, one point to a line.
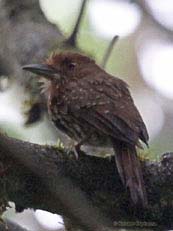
<point>95,108</point>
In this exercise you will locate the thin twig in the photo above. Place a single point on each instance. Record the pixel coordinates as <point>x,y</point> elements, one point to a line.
<point>109,50</point>
<point>73,37</point>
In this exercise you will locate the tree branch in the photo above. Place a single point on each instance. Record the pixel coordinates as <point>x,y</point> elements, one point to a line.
<point>84,190</point>
<point>45,184</point>
<point>109,50</point>
<point>73,37</point>
<point>10,226</point>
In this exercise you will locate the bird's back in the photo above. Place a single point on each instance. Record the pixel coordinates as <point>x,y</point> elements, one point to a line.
<point>101,103</point>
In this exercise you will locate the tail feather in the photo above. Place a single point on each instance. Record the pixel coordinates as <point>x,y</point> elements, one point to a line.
<point>130,172</point>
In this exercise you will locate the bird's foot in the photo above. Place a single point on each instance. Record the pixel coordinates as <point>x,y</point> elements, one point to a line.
<point>74,148</point>
<point>77,150</point>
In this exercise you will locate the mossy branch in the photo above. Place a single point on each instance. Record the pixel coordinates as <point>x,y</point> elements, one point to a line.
<point>88,191</point>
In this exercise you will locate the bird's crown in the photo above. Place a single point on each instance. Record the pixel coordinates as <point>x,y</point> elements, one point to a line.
<point>67,58</point>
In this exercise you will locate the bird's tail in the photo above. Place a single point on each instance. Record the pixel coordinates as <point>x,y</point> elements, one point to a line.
<point>129,169</point>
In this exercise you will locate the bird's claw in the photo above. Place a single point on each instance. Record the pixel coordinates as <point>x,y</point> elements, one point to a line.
<point>74,149</point>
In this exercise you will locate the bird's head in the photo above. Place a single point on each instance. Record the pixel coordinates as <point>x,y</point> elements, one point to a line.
<point>59,68</point>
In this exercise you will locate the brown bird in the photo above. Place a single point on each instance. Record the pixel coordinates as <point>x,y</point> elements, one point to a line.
<point>95,108</point>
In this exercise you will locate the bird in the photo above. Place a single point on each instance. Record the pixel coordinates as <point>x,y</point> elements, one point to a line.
<point>95,108</point>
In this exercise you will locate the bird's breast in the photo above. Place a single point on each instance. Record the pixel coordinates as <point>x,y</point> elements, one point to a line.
<point>55,103</point>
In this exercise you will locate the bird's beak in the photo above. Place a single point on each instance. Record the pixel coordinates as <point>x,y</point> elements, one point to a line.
<point>41,69</point>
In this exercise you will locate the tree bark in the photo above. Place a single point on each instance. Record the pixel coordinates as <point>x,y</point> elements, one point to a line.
<point>88,191</point>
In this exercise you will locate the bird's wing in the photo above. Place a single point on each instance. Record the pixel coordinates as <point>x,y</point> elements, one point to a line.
<point>106,104</point>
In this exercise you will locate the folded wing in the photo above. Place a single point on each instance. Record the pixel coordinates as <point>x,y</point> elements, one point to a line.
<point>107,106</point>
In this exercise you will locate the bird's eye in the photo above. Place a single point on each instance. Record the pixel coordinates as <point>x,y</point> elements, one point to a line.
<point>71,66</point>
